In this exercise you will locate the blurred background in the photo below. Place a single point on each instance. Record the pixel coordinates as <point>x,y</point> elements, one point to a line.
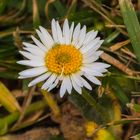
<point>108,112</point>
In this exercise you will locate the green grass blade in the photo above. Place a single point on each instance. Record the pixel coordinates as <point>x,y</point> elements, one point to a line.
<point>13,117</point>
<point>36,17</point>
<point>132,24</point>
<point>7,99</point>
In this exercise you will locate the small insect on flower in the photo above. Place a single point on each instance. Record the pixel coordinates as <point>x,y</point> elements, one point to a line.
<point>66,58</point>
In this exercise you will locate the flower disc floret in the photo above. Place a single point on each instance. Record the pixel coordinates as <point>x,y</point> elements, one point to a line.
<point>64,59</point>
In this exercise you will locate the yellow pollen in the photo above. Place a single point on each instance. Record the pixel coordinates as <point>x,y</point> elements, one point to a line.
<point>63,58</point>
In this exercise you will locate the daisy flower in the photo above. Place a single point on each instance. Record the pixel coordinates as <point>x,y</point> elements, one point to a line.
<point>66,58</point>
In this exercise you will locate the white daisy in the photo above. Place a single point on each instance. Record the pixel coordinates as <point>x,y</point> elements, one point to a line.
<point>67,57</point>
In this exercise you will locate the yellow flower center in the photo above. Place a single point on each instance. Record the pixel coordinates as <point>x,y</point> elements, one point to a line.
<point>64,59</point>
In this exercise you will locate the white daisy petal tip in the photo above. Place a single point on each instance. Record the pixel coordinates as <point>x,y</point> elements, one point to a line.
<point>19,62</point>
<point>20,51</point>
<point>62,95</point>
<point>80,92</point>
<point>95,32</point>
<point>53,20</point>
<point>32,35</point>
<point>30,85</point>
<point>37,31</point>
<point>25,44</point>
<point>98,83</point>
<point>100,52</point>
<point>20,77</point>
<point>101,41</point>
<point>72,62</point>
<point>107,65</point>
<point>41,28</point>
<point>66,21</point>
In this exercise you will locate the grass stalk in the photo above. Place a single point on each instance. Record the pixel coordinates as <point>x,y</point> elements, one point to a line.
<point>10,119</point>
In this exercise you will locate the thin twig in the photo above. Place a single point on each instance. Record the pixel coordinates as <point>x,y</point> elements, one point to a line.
<point>26,103</point>
<point>90,4</point>
<point>117,64</point>
<point>119,45</point>
<point>114,26</point>
<point>126,51</point>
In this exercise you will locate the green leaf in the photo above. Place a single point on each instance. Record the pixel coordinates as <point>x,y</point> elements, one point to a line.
<point>8,74</point>
<point>111,37</point>
<point>3,4</point>
<point>72,7</point>
<point>132,24</point>
<point>119,92</point>
<point>89,107</point>
<point>60,8</point>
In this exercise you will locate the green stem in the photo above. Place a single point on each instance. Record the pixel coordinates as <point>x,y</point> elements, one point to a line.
<point>123,121</point>
<point>111,37</point>
<point>121,75</point>
<point>51,102</point>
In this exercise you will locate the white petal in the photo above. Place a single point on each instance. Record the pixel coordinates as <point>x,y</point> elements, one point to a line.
<point>86,84</point>
<point>76,87</point>
<point>99,52</point>
<point>76,78</point>
<point>90,36</point>
<point>49,81</point>
<point>47,36</point>
<point>94,49</point>
<point>62,88</point>
<point>99,68</point>
<point>39,79</point>
<point>54,31</point>
<point>98,45</point>
<point>76,34</point>
<point>35,51</point>
<point>27,55</point>
<point>71,31</point>
<point>38,43</point>
<point>81,37</point>
<point>93,79</point>
<point>31,63</point>
<point>59,33</point>
<point>66,32</point>
<point>21,77</point>
<point>68,84</point>
<point>91,71</point>
<point>53,85</point>
<point>29,45</point>
<point>104,70</point>
<point>92,44</point>
<point>32,46</point>
<point>33,72</point>
<point>30,56</point>
<point>99,65</point>
<point>43,39</point>
<point>90,59</point>
<point>91,54</point>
